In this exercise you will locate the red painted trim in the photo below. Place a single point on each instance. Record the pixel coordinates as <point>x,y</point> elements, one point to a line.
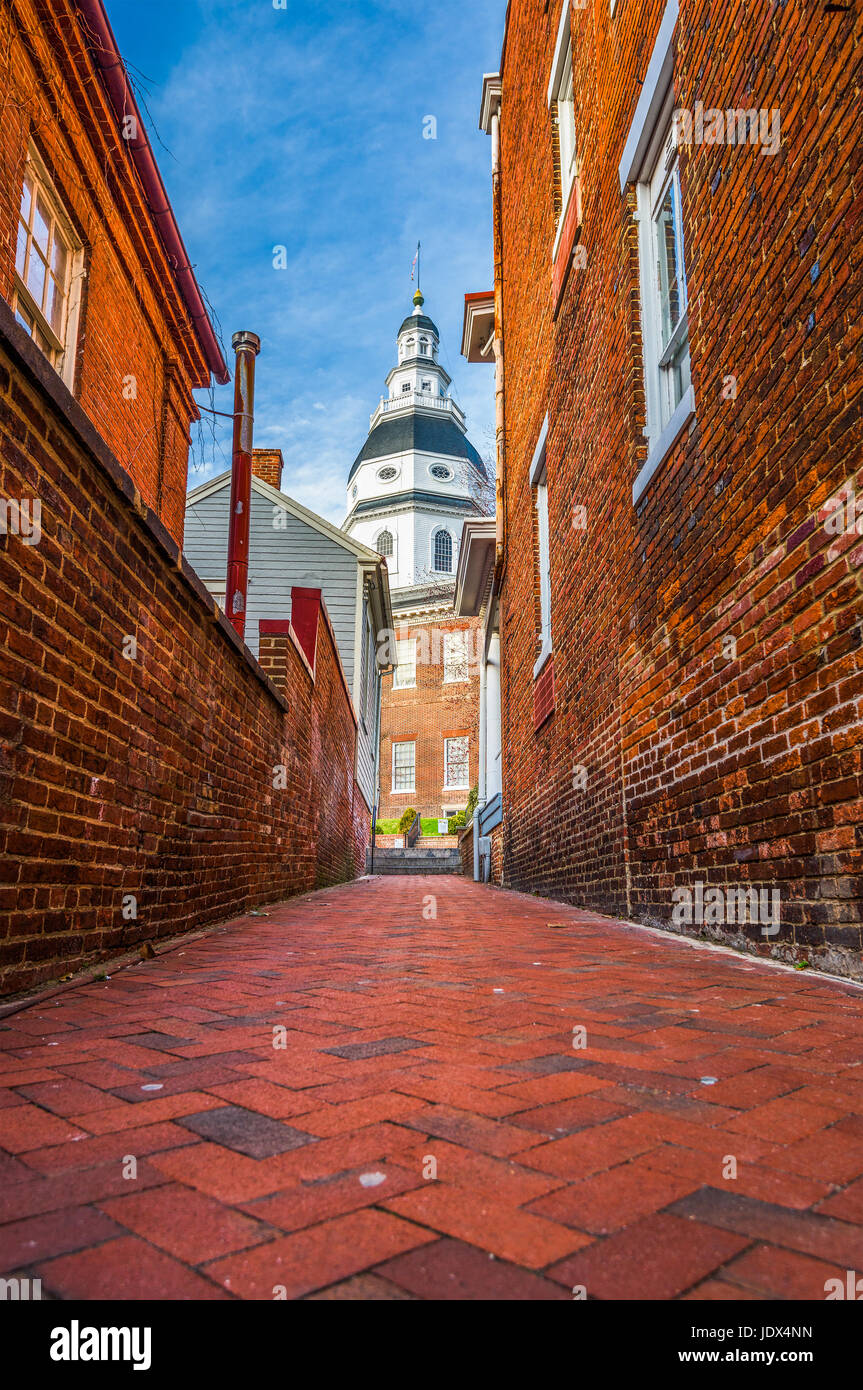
<point>274,627</point>
<point>543,694</point>
<point>305,613</point>
<point>109,62</point>
<point>563,261</point>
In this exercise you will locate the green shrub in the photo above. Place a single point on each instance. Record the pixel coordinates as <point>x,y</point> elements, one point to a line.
<point>407,819</point>
<point>457,822</point>
<point>473,798</point>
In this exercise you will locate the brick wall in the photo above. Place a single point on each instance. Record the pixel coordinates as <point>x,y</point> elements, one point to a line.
<point>150,778</point>
<point>135,334</point>
<point>465,849</point>
<point>427,714</point>
<point>741,769</point>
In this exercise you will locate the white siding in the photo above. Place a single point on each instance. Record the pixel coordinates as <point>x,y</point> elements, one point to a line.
<point>278,560</point>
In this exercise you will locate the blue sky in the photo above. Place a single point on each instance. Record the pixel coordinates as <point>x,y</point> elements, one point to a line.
<point>302,127</point>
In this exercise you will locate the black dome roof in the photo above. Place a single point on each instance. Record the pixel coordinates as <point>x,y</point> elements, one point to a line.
<point>419,321</point>
<point>400,433</point>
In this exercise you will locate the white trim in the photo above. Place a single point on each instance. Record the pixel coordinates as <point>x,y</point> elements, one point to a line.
<point>544,654</point>
<point>537,466</point>
<point>65,347</point>
<point>562,42</point>
<point>684,413</point>
<point>657,80</point>
<point>436,530</point>
<point>491,96</point>
<point>544,567</point>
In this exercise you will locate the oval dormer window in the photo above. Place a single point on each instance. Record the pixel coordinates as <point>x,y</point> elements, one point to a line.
<point>387,474</point>
<point>441,472</point>
<point>354,490</point>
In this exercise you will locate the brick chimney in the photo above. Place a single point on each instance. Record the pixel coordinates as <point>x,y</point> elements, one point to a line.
<point>267,464</point>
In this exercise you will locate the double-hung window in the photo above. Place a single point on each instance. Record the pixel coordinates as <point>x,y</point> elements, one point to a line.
<point>664,302</point>
<point>456,763</point>
<point>404,767</point>
<point>650,162</point>
<point>405,674</point>
<point>455,657</point>
<point>561,102</point>
<point>48,265</point>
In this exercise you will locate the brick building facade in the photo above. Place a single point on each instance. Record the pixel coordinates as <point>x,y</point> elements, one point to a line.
<point>429,718</point>
<point>90,255</point>
<point>154,778</point>
<point>677,304</point>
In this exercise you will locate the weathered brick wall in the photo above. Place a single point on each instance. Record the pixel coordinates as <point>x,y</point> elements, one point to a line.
<point>133,321</point>
<point>150,778</point>
<point>465,849</point>
<point>740,770</point>
<point>427,713</point>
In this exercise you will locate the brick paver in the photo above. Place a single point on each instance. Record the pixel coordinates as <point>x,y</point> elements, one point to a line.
<point>354,1098</point>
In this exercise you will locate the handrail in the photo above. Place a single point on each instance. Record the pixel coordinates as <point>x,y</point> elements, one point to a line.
<point>412,833</point>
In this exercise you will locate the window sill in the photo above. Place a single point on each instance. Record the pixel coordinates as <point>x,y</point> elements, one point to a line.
<point>662,447</point>
<point>542,658</point>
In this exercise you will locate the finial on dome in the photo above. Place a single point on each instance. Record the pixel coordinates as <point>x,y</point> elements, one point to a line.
<point>418,299</point>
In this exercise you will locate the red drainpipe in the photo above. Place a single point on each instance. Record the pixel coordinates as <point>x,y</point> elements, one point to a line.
<point>246,346</point>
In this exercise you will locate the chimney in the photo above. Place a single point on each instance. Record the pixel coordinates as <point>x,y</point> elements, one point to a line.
<point>267,465</point>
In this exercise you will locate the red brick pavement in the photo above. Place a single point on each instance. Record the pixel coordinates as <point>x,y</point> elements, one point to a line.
<point>156,1144</point>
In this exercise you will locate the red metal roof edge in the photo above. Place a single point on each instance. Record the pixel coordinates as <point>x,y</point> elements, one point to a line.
<point>110,63</point>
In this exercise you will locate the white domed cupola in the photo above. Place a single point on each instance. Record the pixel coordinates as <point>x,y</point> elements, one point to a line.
<point>417,477</point>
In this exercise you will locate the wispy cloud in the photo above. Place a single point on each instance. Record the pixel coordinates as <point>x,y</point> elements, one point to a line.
<point>303,128</point>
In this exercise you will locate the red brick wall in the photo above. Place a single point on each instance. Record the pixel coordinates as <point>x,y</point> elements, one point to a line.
<point>151,777</point>
<point>698,767</point>
<point>427,714</point>
<point>465,849</point>
<point>133,321</point>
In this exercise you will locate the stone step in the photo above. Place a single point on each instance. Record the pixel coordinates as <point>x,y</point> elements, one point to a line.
<point>415,861</point>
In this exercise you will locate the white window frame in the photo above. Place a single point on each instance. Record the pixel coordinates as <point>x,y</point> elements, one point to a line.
<point>462,663</point>
<point>456,786</point>
<point>659,175</point>
<point>404,743</point>
<point>59,348</point>
<point>645,147</point>
<point>561,91</point>
<point>438,530</point>
<point>392,535</point>
<point>218,589</point>
<point>539,484</point>
<point>402,643</point>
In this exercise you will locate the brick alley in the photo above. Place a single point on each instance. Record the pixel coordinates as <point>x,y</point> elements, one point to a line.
<point>428,1125</point>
